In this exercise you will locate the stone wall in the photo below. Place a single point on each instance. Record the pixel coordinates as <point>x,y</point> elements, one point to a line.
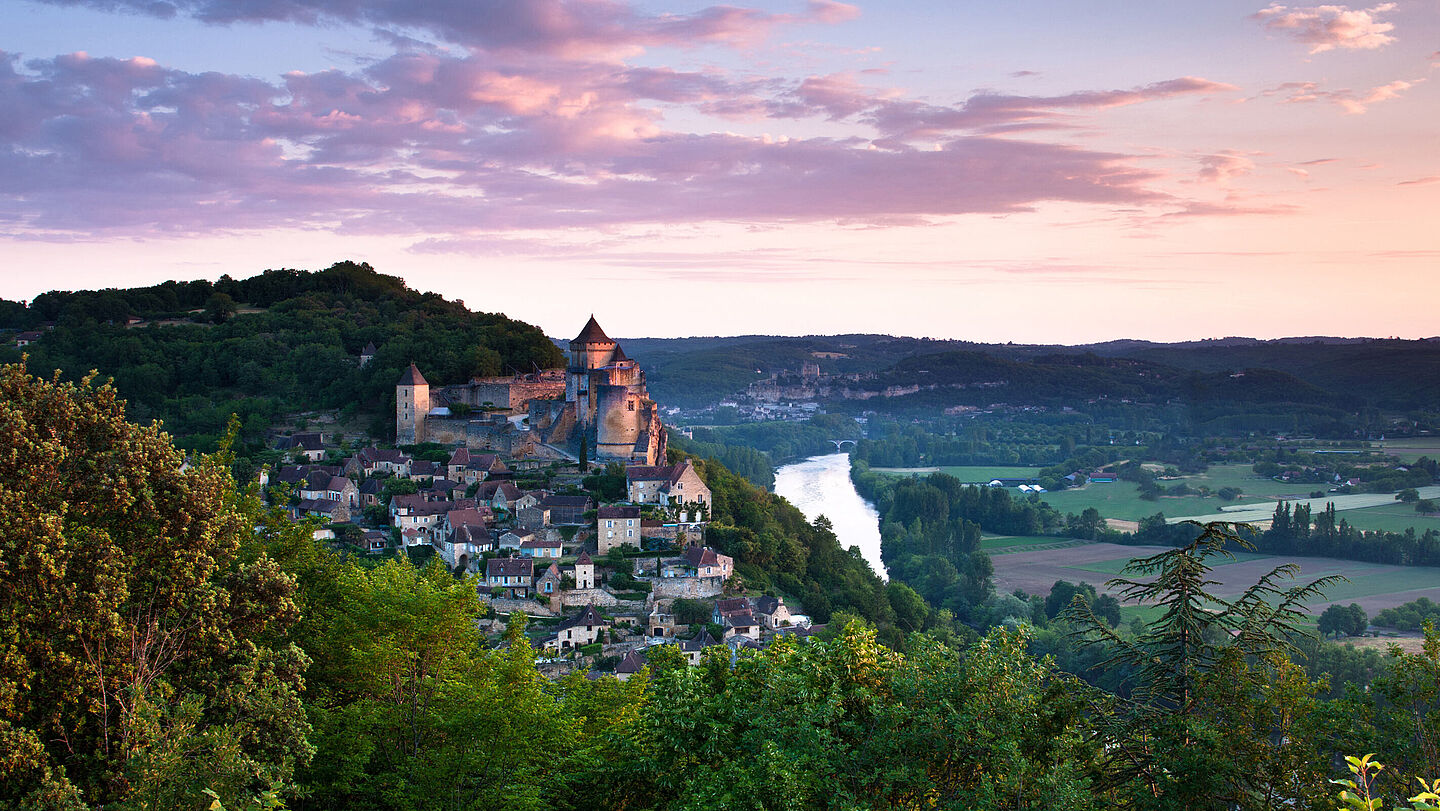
<point>505,605</point>
<point>692,588</point>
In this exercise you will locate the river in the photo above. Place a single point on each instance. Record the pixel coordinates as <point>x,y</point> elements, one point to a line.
<point>821,485</point>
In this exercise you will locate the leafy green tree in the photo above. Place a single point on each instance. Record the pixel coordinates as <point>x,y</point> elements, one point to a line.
<point>144,660</point>
<point>1213,688</point>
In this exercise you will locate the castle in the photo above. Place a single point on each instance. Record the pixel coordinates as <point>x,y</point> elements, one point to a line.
<point>598,403</point>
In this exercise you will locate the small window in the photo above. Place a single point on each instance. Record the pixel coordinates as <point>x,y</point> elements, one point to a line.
<point>629,405</point>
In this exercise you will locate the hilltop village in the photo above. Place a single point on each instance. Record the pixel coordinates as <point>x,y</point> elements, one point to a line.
<point>554,489</point>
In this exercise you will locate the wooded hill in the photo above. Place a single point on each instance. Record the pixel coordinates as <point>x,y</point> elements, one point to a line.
<point>283,341</point>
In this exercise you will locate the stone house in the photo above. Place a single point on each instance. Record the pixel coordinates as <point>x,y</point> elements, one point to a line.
<point>370,461</point>
<point>677,487</point>
<point>580,630</point>
<point>514,540</point>
<point>630,664</point>
<point>772,611</point>
<point>310,446</point>
<point>695,648</point>
<point>616,526</point>
<point>464,546</point>
<point>510,577</point>
<point>550,582</point>
<point>708,563</point>
<point>342,489</point>
<point>332,511</point>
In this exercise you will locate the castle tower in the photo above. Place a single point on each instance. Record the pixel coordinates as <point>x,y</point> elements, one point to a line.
<point>412,403</point>
<point>592,349</point>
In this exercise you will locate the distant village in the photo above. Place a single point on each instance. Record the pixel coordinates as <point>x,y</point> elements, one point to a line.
<point>602,580</point>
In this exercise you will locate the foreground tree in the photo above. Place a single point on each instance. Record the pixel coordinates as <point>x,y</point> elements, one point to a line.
<point>1217,716</point>
<point>140,662</point>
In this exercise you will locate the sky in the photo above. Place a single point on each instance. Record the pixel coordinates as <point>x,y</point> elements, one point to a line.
<point>1025,171</point>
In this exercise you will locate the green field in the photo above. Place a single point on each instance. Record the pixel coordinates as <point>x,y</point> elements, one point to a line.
<point>1408,450</point>
<point>1122,499</point>
<point>1019,543</point>
<point>1392,518</point>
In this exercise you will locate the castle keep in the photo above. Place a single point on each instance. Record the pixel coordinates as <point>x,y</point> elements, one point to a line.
<point>599,400</point>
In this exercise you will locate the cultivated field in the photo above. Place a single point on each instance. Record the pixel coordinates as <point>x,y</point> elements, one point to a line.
<point>1374,586</point>
<point>1345,503</point>
<point>1408,450</point>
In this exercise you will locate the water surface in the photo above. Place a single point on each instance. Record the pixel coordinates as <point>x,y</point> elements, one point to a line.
<point>821,485</point>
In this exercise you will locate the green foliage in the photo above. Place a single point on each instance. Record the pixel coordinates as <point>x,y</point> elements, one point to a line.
<point>847,723</point>
<point>144,658</point>
<point>1338,620</point>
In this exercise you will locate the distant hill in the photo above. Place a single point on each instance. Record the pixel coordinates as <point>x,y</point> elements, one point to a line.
<point>1323,376</point>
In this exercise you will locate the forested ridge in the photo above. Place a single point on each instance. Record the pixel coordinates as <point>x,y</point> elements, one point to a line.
<point>197,357</point>
<point>169,642</point>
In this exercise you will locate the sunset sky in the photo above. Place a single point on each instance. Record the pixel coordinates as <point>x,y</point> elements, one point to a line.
<point>1030,171</point>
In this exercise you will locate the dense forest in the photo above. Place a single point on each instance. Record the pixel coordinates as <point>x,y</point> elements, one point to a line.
<point>170,643</point>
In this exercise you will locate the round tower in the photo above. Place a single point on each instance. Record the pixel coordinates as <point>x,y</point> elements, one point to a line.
<point>412,403</point>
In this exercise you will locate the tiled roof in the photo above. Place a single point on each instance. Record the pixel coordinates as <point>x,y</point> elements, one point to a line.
<point>618,511</point>
<point>591,334</point>
<point>412,377</point>
<point>632,662</point>
<point>698,556</point>
<point>510,567</point>
<point>587,616</point>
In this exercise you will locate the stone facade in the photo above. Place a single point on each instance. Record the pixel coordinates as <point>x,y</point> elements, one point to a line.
<point>598,400</point>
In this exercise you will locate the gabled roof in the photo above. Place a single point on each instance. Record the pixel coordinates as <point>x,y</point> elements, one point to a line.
<point>697,556</point>
<point>462,517</point>
<point>632,662</point>
<point>339,483</point>
<point>588,616</point>
<point>768,605</point>
<point>461,456</point>
<point>412,377</point>
<point>510,567</point>
<point>701,642</point>
<point>592,334</point>
<point>732,605</point>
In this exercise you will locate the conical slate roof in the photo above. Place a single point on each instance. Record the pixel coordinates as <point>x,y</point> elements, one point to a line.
<point>412,377</point>
<point>619,355</point>
<point>592,334</point>
<point>369,349</point>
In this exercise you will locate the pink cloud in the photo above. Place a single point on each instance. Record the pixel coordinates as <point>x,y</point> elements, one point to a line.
<point>1351,102</point>
<point>1420,181</point>
<point>1222,167</point>
<point>455,146</point>
<point>570,28</point>
<point>1326,28</point>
